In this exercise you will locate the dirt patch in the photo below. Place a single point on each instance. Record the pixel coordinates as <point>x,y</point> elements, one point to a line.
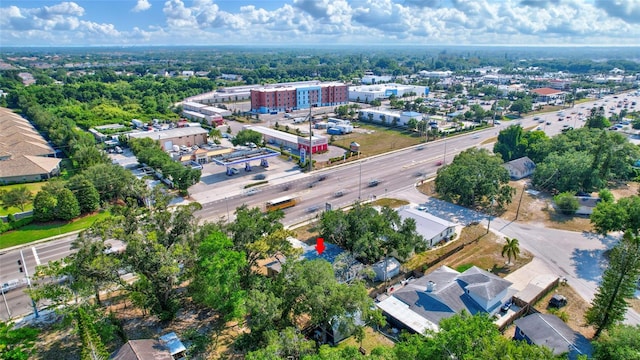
<point>575,309</point>
<point>530,208</point>
<point>482,250</point>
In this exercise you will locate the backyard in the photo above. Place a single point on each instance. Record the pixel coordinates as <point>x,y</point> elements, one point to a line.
<point>33,187</point>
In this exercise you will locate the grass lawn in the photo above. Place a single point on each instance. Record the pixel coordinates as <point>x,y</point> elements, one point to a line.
<point>485,254</point>
<point>372,339</point>
<point>376,140</point>
<point>33,187</point>
<point>33,232</point>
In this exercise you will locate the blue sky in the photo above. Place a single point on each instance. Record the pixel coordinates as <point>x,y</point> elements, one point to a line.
<point>309,22</point>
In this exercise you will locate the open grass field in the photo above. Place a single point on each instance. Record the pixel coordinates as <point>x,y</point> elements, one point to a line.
<point>33,232</point>
<point>376,140</point>
<point>372,339</point>
<point>33,187</point>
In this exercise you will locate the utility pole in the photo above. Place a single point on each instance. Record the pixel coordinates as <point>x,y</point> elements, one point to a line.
<point>26,274</point>
<point>520,202</point>
<point>310,139</point>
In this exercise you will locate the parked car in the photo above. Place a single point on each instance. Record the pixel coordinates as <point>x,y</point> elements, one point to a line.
<point>557,301</point>
<point>506,306</point>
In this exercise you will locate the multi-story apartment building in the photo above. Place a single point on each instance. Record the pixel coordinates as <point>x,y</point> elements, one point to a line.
<point>296,96</point>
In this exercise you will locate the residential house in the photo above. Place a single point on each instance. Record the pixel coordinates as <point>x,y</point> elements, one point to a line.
<point>520,168</point>
<point>144,349</point>
<point>431,227</point>
<point>550,331</point>
<point>25,156</point>
<point>421,303</point>
<point>586,204</point>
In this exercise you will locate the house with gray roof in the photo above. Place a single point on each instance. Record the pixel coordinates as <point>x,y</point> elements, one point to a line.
<point>421,303</point>
<point>520,168</point>
<point>432,228</point>
<point>550,331</point>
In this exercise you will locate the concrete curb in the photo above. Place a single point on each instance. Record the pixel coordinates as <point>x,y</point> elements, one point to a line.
<point>18,247</point>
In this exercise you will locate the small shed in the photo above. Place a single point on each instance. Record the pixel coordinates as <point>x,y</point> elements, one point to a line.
<point>386,269</point>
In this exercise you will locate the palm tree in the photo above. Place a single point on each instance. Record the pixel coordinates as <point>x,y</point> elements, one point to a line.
<point>511,249</point>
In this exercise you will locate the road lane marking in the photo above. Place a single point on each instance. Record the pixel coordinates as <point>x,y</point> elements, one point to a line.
<point>35,255</point>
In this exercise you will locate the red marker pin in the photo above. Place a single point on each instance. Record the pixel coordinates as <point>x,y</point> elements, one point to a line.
<point>320,245</point>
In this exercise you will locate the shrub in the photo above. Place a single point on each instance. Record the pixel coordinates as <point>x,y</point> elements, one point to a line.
<point>567,203</point>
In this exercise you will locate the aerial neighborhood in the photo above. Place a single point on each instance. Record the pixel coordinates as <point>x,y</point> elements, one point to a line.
<point>310,204</point>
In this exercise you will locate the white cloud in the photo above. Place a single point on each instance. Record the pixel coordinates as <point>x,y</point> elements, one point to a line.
<point>529,22</point>
<point>141,5</point>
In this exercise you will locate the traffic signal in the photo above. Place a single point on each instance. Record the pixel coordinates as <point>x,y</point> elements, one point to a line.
<point>20,268</point>
<point>20,265</point>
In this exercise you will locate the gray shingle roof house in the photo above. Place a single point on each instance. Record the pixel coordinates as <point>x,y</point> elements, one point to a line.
<point>423,302</point>
<point>145,349</point>
<point>520,168</point>
<point>550,331</point>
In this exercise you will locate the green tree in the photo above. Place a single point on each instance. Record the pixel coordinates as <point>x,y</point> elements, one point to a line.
<point>619,342</point>
<point>259,235</point>
<point>310,289</point>
<point>463,336</point>
<point>247,136</point>
<point>17,343</point>
<point>288,343</point>
<point>566,203</point>
<point>16,197</point>
<point>511,248</point>
<point>92,346</point>
<point>623,215</point>
<point>67,206</point>
<point>596,119</point>
<point>619,281</point>
<point>44,206</point>
<point>475,177</point>
<point>509,144</point>
<point>217,272</point>
<point>86,156</point>
<point>86,194</point>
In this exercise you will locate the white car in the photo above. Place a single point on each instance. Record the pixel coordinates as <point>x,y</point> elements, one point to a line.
<point>252,192</point>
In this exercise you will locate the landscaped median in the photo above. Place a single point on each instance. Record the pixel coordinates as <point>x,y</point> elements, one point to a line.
<point>33,232</point>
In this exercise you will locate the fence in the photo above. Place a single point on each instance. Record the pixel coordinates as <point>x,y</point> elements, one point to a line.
<point>18,216</point>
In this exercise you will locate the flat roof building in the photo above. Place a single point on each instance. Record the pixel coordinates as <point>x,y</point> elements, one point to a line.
<point>187,136</point>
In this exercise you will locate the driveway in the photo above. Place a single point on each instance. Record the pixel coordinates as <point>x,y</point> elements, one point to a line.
<point>577,256</point>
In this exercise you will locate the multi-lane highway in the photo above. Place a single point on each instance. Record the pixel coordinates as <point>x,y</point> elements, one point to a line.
<point>395,171</point>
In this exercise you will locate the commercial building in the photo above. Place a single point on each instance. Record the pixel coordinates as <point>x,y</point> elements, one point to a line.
<point>184,136</point>
<point>368,93</point>
<point>401,118</point>
<point>24,155</point>
<point>286,140</point>
<point>296,96</point>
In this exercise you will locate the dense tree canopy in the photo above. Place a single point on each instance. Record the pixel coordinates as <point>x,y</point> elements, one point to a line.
<point>474,178</point>
<point>369,234</point>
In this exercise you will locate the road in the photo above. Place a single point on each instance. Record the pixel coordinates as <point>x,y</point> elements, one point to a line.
<point>395,171</point>
<point>16,300</point>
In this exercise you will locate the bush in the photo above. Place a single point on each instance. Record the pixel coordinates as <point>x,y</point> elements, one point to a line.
<point>567,203</point>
